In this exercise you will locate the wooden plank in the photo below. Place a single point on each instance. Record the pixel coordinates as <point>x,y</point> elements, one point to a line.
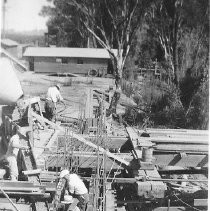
<point>201,202</point>
<point>32,172</point>
<point>6,183</point>
<point>175,159</point>
<point>26,193</point>
<point>8,207</point>
<point>89,104</point>
<point>180,140</point>
<point>152,173</point>
<point>52,139</point>
<point>133,136</point>
<point>22,189</point>
<point>182,148</point>
<point>175,131</point>
<point>138,141</point>
<point>132,133</point>
<point>172,209</point>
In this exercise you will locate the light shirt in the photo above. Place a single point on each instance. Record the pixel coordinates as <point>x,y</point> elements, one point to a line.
<point>13,146</point>
<point>76,185</point>
<point>54,95</point>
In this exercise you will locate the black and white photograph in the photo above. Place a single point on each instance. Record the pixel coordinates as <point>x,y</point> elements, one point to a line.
<point>104,105</point>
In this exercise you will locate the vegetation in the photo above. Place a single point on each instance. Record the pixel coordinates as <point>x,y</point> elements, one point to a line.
<point>173,34</point>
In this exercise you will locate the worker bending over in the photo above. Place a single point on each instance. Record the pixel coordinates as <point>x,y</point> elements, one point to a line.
<point>12,153</point>
<point>76,188</point>
<point>53,96</point>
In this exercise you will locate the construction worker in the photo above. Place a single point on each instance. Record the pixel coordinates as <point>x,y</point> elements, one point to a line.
<point>53,96</point>
<point>12,153</point>
<point>76,188</point>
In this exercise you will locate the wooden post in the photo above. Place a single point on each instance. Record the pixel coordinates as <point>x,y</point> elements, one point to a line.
<point>89,104</point>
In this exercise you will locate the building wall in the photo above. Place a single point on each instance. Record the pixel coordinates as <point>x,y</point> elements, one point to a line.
<point>21,50</point>
<point>11,50</point>
<point>70,65</point>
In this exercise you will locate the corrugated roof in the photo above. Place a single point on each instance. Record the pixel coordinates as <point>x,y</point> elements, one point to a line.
<point>68,52</point>
<point>9,42</point>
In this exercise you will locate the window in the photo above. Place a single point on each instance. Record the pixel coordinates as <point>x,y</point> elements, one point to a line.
<point>62,60</point>
<point>58,60</point>
<point>79,61</point>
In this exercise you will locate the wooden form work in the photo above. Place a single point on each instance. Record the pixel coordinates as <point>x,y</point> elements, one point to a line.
<point>83,140</point>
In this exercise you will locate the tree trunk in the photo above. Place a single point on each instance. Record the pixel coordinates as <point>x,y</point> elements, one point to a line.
<point>118,76</point>
<point>176,22</point>
<point>175,50</point>
<point>113,105</point>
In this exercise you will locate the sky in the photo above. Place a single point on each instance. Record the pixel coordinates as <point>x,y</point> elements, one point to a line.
<point>23,15</point>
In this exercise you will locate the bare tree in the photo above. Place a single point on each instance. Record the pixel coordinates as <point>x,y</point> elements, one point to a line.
<point>114,26</point>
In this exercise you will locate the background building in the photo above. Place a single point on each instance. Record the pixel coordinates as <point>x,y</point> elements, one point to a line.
<point>10,46</point>
<point>67,60</point>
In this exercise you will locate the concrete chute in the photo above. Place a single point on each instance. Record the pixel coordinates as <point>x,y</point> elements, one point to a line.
<point>10,87</point>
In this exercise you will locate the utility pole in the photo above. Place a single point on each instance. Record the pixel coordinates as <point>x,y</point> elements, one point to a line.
<point>3,18</point>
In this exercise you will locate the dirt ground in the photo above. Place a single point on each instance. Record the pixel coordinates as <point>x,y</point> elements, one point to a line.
<point>73,89</point>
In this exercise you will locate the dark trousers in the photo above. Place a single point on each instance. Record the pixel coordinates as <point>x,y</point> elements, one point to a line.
<point>83,200</point>
<point>50,110</point>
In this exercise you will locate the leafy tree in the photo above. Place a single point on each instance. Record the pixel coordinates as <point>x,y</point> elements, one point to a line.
<point>64,22</point>
<point>165,19</point>
<point>182,30</point>
<point>197,114</point>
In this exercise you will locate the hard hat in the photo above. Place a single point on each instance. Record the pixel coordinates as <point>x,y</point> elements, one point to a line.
<point>58,86</point>
<point>64,173</point>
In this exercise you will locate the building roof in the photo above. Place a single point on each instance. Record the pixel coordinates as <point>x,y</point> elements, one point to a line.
<point>12,58</point>
<point>67,52</point>
<point>9,42</point>
<point>26,45</point>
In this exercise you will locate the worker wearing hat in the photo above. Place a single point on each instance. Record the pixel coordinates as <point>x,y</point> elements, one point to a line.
<point>53,96</point>
<point>76,188</point>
